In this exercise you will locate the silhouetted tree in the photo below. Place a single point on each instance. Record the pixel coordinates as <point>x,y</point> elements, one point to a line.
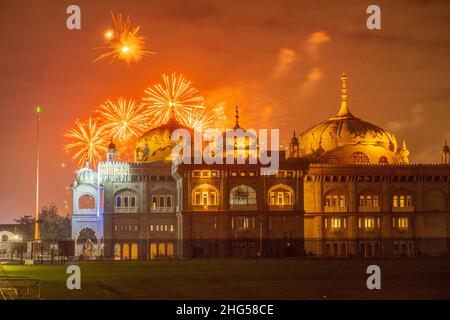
<point>51,225</point>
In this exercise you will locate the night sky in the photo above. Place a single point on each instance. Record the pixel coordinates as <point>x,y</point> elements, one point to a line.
<point>279,60</point>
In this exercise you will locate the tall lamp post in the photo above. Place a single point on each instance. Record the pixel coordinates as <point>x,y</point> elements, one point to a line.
<point>36,221</point>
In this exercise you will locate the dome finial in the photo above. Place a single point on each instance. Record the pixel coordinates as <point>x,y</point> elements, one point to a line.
<point>237,116</point>
<point>343,111</point>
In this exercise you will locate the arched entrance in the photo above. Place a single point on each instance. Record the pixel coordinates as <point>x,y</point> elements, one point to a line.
<point>86,244</point>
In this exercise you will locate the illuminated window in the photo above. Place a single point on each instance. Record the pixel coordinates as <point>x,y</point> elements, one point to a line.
<point>169,249</point>
<point>161,250</point>
<point>154,201</point>
<point>212,198</point>
<point>172,228</point>
<point>335,200</point>
<point>205,195</point>
<point>126,251</point>
<point>134,251</point>
<point>368,200</point>
<point>243,195</point>
<point>243,223</point>
<point>335,223</point>
<point>401,201</point>
<point>118,201</point>
<point>402,223</point>
<point>369,223</point>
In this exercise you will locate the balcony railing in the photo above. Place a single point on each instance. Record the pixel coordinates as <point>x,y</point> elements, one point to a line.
<point>403,209</point>
<point>335,209</point>
<point>369,209</point>
<point>161,209</point>
<point>201,207</point>
<point>276,207</point>
<point>244,207</point>
<point>125,209</point>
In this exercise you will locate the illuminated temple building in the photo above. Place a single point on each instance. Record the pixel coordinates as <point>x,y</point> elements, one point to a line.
<point>345,188</point>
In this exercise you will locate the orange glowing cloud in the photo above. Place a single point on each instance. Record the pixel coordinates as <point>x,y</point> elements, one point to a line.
<point>314,42</point>
<point>308,86</point>
<point>286,58</point>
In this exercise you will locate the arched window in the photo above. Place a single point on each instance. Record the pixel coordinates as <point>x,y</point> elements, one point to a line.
<point>383,159</point>
<point>281,195</point>
<point>243,197</point>
<point>162,250</point>
<point>402,200</point>
<point>134,251</point>
<point>161,200</point>
<point>117,251</point>
<point>126,201</point>
<point>369,200</point>
<point>126,251</point>
<point>86,202</point>
<point>359,157</point>
<point>5,237</point>
<point>335,201</point>
<point>205,195</point>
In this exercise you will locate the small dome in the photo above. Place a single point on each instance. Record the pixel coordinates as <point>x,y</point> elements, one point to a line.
<point>445,148</point>
<point>294,140</point>
<point>156,144</point>
<point>86,175</point>
<point>111,145</point>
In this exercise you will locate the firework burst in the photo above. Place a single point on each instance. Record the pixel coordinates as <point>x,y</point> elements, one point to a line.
<point>88,142</point>
<point>175,96</point>
<point>122,119</point>
<point>201,119</point>
<point>220,118</point>
<point>124,41</point>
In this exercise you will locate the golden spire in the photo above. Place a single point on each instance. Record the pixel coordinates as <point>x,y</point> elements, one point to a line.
<point>343,111</point>
<point>237,117</point>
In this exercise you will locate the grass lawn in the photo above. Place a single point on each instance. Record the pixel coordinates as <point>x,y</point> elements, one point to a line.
<point>424,278</point>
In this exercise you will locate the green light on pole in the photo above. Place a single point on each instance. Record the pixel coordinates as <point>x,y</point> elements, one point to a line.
<point>38,109</point>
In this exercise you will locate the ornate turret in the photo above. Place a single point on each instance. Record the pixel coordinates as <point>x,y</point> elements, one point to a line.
<point>111,154</point>
<point>445,153</point>
<point>404,153</point>
<point>294,147</point>
<point>236,117</point>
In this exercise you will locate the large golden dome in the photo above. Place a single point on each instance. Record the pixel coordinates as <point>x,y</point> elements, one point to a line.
<point>156,144</point>
<point>348,139</point>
